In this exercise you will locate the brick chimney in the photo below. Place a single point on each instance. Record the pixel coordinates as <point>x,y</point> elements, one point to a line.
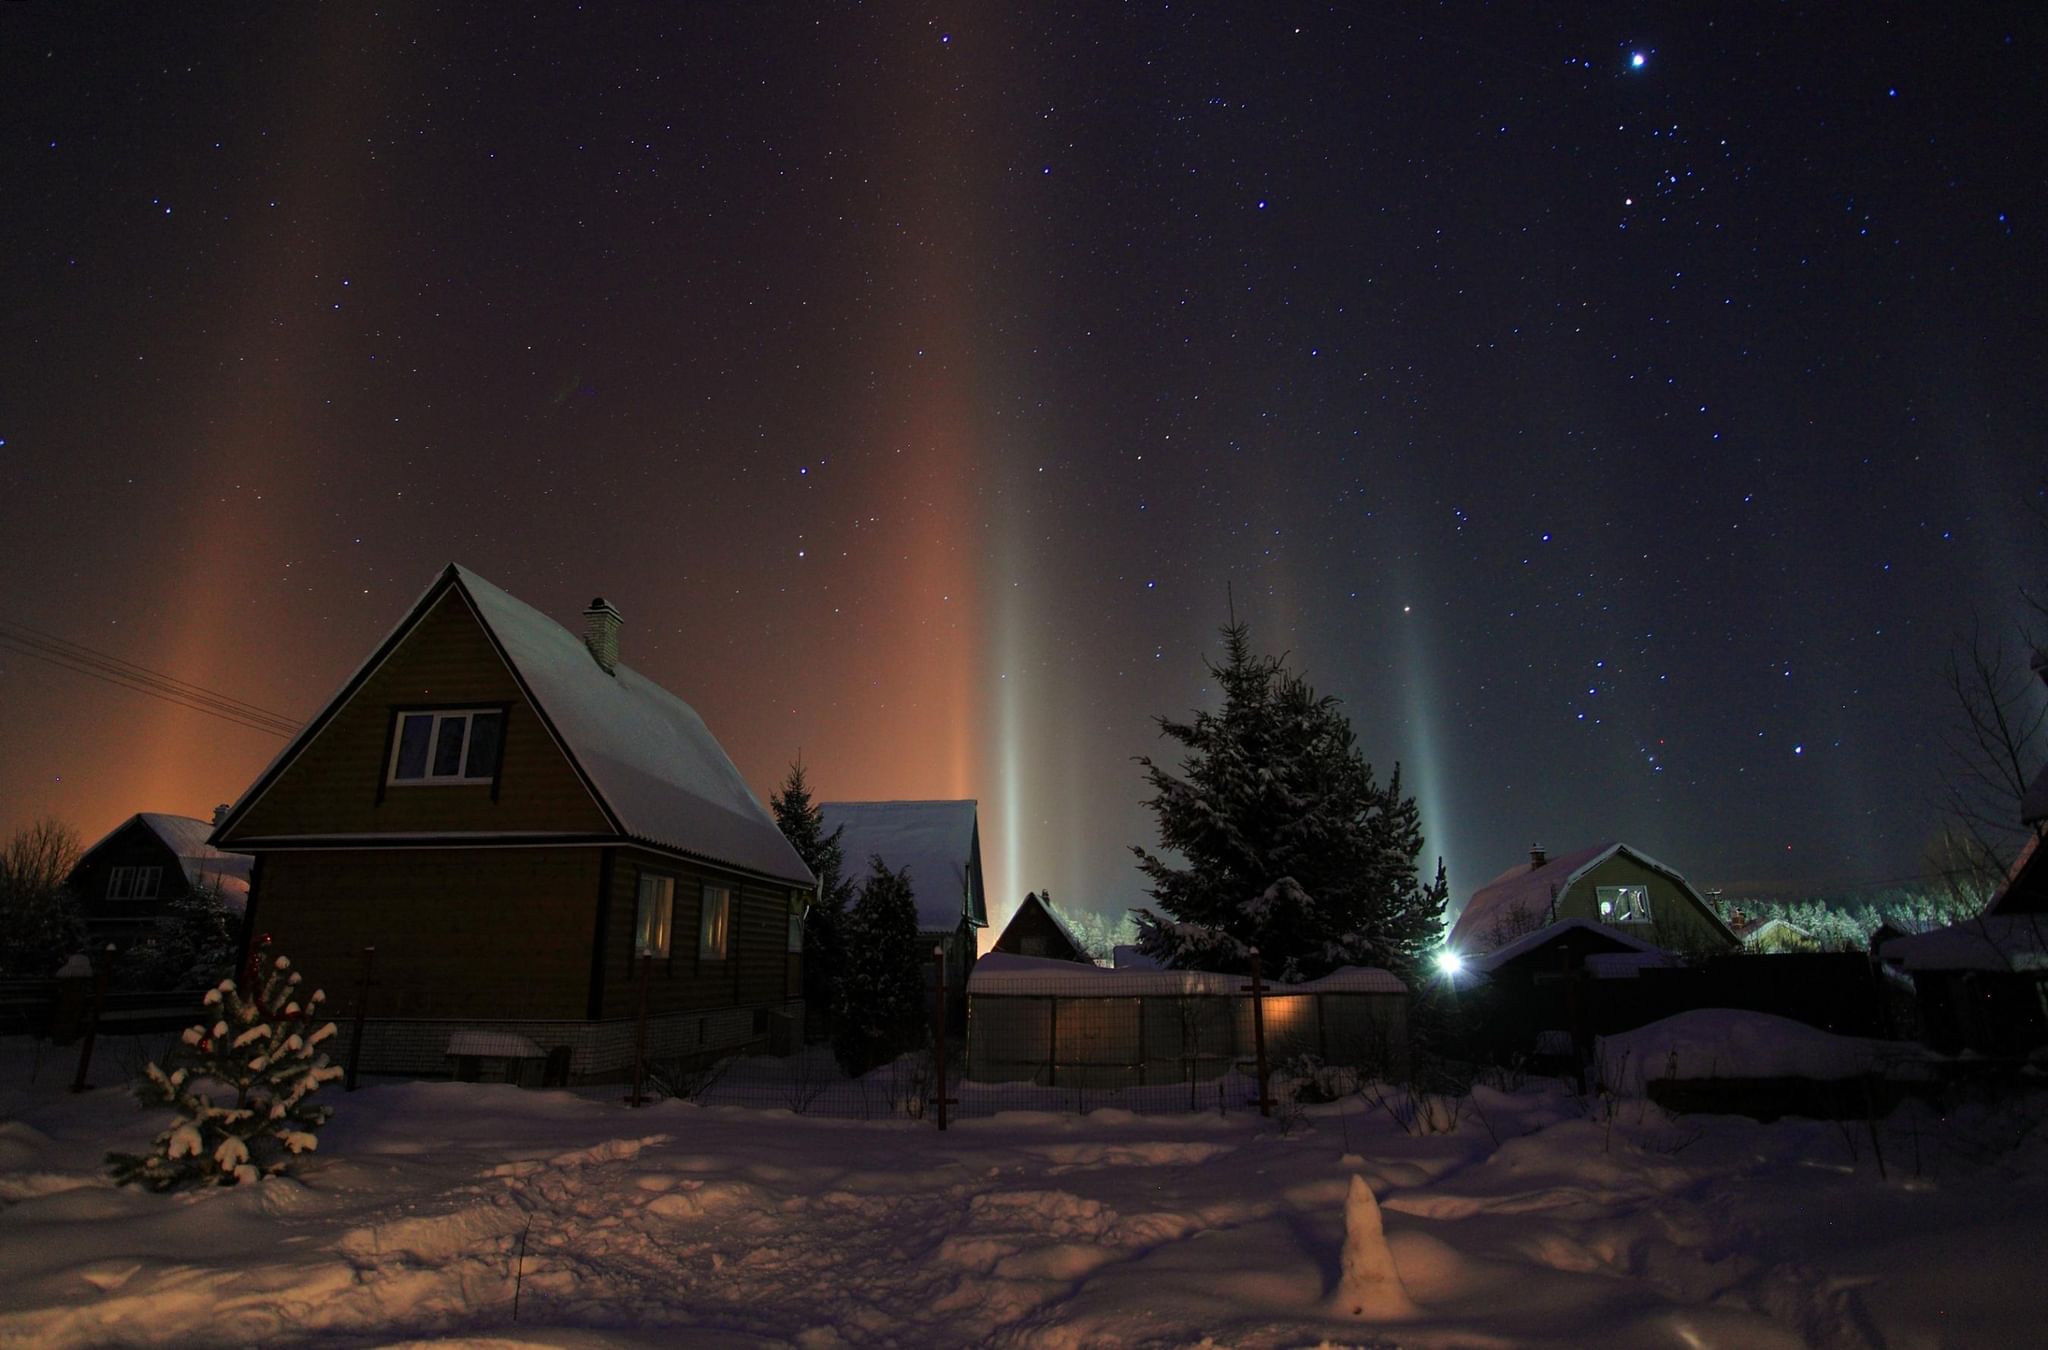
<point>601,624</point>
<point>1537,857</point>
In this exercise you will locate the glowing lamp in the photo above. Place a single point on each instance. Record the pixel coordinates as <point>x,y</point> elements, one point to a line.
<point>1449,962</point>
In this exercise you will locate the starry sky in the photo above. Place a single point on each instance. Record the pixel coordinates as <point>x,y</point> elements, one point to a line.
<point>1622,412</point>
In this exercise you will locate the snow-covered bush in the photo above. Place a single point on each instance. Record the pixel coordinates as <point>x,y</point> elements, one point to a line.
<point>262,1047</point>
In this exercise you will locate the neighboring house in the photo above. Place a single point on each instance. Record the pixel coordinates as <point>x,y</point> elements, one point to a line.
<point>1037,929</point>
<point>513,819</point>
<point>1609,884</point>
<point>1775,935</point>
<point>127,882</point>
<point>939,845</point>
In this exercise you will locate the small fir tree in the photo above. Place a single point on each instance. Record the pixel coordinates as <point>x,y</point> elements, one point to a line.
<point>1290,844</point>
<point>883,1012</point>
<point>796,815</point>
<point>264,1047</point>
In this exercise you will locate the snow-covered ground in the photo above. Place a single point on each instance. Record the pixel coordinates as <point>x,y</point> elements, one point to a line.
<point>1540,1220</point>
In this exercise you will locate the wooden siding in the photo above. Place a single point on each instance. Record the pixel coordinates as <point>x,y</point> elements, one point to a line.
<point>486,933</point>
<point>1677,922</point>
<point>336,783</point>
<point>757,968</point>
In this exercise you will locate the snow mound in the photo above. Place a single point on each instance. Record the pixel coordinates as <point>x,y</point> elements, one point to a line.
<point>1727,1043</point>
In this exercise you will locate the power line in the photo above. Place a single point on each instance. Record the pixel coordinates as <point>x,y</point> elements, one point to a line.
<point>110,669</point>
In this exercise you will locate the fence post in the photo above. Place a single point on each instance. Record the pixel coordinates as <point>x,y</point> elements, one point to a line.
<point>355,1044</point>
<point>640,1032</point>
<point>1257,989</point>
<point>941,1101</point>
<point>92,1019</point>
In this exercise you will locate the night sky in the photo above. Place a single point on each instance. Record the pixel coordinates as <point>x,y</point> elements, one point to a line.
<point>1622,415</point>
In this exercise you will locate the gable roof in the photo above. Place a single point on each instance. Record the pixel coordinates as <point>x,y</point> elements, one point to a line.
<point>187,839</point>
<point>1033,900</point>
<point>1532,889</point>
<point>936,842</point>
<point>1629,944</point>
<point>647,758</point>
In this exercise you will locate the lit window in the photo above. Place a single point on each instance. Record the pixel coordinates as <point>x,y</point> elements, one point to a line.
<point>458,746</point>
<point>1624,904</point>
<point>714,928</point>
<point>134,883</point>
<point>656,910</point>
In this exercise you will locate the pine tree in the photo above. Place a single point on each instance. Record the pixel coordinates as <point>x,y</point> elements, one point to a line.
<point>265,1048</point>
<point>1290,844</point>
<point>883,1013</point>
<point>825,922</point>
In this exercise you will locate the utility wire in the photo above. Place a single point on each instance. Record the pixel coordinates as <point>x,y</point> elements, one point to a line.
<point>99,665</point>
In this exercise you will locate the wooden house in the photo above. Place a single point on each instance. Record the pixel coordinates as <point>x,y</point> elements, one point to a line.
<point>1611,884</point>
<point>534,838</point>
<point>1037,929</point>
<point>126,883</point>
<point>939,844</point>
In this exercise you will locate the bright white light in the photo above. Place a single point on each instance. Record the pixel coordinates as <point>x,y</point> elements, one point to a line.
<point>1449,962</point>
<point>1638,61</point>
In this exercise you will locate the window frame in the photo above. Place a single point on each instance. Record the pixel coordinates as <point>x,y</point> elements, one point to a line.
<point>666,901</point>
<point>134,875</point>
<point>1624,897</point>
<point>705,951</point>
<point>441,713</point>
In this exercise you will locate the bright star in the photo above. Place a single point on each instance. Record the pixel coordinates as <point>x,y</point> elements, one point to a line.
<point>1637,61</point>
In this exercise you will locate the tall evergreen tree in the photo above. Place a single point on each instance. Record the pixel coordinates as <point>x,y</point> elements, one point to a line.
<point>1289,844</point>
<point>796,815</point>
<point>883,1010</point>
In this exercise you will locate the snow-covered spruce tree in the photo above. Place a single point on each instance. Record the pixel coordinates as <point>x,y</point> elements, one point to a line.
<point>882,1013</point>
<point>796,815</point>
<point>264,1049</point>
<point>1289,843</point>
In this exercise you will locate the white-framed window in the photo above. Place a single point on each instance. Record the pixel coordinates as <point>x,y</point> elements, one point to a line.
<point>714,924</point>
<point>134,883</point>
<point>1623,904</point>
<point>654,915</point>
<point>433,747</point>
<point>797,907</point>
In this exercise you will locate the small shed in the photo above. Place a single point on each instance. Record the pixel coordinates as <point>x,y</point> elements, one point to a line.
<point>1056,1023</point>
<point>1037,929</point>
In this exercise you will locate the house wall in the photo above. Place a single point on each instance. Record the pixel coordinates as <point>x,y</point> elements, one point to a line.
<point>336,783</point>
<point>134,845</point>
<point>477,933</point>
<point>756,973</point>
<point>1677,921</point>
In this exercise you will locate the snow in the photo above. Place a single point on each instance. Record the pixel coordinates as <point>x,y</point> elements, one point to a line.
<point>1540,1220</point>
<point>934,841</point>
<point>1726,1043</point>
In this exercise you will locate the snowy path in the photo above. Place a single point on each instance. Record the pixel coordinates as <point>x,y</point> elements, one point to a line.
<point>676,1224</point>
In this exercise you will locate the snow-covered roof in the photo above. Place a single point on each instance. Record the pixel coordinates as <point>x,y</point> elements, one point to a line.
<point>1527,889</point>
<point>202,863</point>
<point>648,757</point>
<point>1001,973</point>
<point>648,753</point>
<point>1126,956</point>
<point>1994,942</point>
<point>934,841</point>
<point>1549,933</point>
